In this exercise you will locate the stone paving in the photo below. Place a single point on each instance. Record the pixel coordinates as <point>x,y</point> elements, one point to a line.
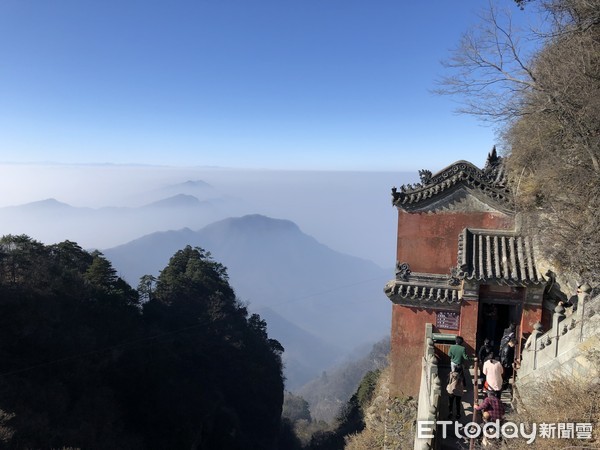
<point>452,442</point>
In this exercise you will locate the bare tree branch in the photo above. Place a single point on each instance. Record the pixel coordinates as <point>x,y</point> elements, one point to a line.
<point>546,107</point>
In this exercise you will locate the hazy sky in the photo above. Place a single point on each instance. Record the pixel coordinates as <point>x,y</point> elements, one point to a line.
<point>283,84</point>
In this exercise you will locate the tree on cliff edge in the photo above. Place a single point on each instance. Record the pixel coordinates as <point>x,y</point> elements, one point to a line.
<point>219,354</point>
<point>82,365</point>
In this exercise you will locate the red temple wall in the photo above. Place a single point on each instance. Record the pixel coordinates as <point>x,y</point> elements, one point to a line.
<point>531,315</point>
<point>408,343</point>
<point>429,242</point>
<point>468,325</point>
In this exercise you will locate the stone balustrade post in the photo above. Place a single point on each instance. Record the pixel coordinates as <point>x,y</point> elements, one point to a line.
<point>535,335</point>
<point>583,292</point>
<point>436,391</point>
<point>430,349</point>
<point>557,318</point>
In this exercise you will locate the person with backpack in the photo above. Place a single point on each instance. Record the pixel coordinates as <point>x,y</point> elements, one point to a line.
<point>455,390</point>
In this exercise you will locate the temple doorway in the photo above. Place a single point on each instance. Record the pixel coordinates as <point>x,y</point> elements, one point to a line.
<point>494,318</point>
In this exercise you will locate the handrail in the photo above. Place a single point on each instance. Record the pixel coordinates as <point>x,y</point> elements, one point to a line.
<point>443,337</point>
<point>564,335</point>
<point>475,396</point>
<point>430,390</point>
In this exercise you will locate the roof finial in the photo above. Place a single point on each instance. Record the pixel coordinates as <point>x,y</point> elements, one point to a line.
<point>492,158</point>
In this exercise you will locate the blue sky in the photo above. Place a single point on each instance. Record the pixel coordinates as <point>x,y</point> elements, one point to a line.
<point>278,84</point>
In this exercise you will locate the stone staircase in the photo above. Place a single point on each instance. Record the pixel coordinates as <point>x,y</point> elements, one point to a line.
<point>455,443</point>
<point>564,349</point>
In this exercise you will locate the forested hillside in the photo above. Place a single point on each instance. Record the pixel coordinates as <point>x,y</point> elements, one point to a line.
<point>85,364</point>
<point>327,394</point>
<point>314,297</point>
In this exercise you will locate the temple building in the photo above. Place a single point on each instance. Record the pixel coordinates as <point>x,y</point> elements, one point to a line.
<point>462,265</point>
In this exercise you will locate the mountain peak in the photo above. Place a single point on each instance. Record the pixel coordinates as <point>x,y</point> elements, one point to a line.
<point>47,203</point>
<point>256,222</point>
<point>196,184</point>
<point>176,201</point>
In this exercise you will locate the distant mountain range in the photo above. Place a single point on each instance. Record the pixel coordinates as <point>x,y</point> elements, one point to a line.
<point>197,188</point>
<point>188,185</point>
<point>319,303</point>
<point>51,220</point>
<point>177,201</point>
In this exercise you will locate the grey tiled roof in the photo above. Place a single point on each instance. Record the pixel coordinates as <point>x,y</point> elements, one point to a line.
<point>422,290</point>
<point>497,255</point>
<point>487,183</point>
<point>428,293</point>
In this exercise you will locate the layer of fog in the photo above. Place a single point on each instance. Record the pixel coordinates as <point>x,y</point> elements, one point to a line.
<point>350,212</point>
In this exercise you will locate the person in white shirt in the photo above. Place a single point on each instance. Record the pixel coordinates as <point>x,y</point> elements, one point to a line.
<point>492,369</point>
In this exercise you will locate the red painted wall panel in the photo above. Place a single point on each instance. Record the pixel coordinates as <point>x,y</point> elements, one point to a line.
<point>407,344</point>
<point>429,242</point>
<point>468,325</point>
<point>531,315</point>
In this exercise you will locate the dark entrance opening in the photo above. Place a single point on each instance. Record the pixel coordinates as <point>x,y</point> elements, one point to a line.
<point>507,314</point>
<point>495,315</point>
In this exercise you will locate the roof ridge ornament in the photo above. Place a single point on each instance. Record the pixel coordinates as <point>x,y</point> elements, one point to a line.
<point>454,277</point>
<point>493,159</point>
<point>425,176</point>
<point>402,271</point>
<point>488,184</point>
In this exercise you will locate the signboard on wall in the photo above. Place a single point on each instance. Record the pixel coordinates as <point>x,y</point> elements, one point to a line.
<point>447,320</point>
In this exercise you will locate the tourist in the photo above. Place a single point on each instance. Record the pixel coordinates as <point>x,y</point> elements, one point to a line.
<point>484,351</point>
<point>493,370</point>
<point>509,333</point>
<point>455,390</point>
<point>493,406</point>
<point>458,355</point>
<point>570,305</point>
<point>507,359</point>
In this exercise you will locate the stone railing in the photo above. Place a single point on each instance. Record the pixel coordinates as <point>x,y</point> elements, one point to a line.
<point>430,392</point>
<point>559,350</point>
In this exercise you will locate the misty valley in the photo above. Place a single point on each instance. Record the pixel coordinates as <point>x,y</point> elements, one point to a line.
<point>231,316</point>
